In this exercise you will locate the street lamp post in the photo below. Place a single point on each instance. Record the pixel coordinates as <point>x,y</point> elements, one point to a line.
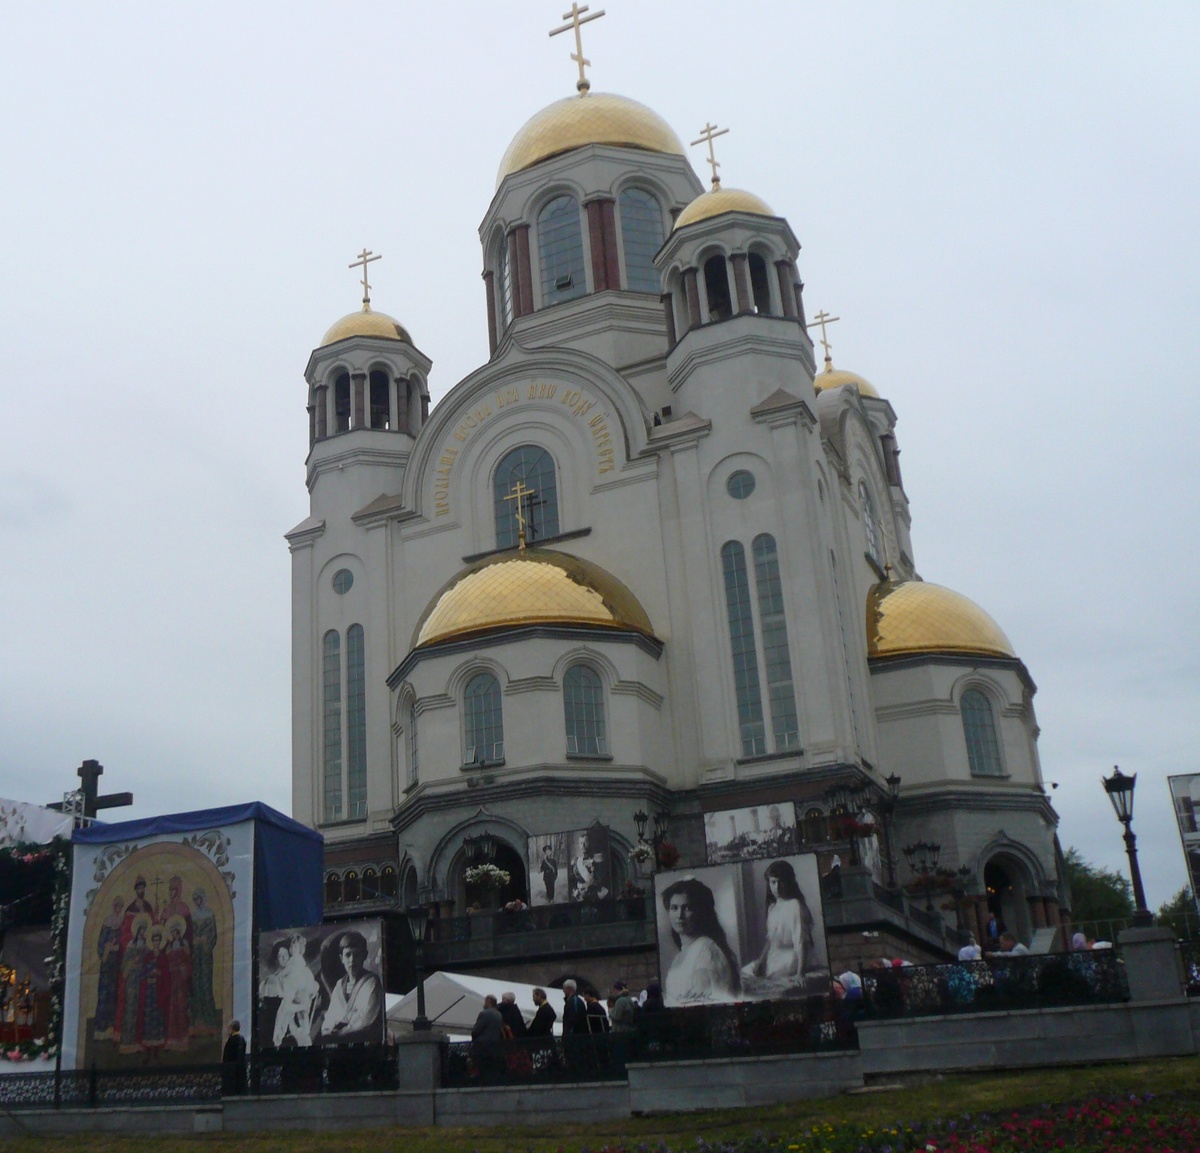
<point>887,809</point>
<point>922,857</point>
<point>1119,788</point>
<point>657,836</point>
<point>418,919</point>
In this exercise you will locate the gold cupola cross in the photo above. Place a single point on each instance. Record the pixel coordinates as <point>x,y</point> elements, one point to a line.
<point>823,318</point>
<point>364,258</point>
<point>708,134</point>
<point>575,20</point>
<point>519,493</point>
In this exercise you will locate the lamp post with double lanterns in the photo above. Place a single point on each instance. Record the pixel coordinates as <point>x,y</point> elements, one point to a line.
<point>922,857</point>
<point>1119,788</point>
<point>657,836</point>
<point>418,919</point>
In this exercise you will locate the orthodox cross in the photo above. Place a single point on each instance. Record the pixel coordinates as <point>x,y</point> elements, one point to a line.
<point>518,494</point>
<point>823,318</point>
<point>156,884</point>
<point>708,134</point>
<point>575,20</point>
<point>364,258</point>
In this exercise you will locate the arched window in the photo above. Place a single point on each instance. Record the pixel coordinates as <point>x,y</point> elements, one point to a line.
<point>412,893</point>
<point>341,403</point>
<point>331,680</point>
<point>745,659</point>
<point>642,237</point>
<point>414,764</point>
<point>333,889</point>
<point>583,703</point>
<point>784,725</point>
<point>870,524</point>
<point>760,286</point>
<point>370,884</point>
<point>716,286</point>
<point>534,467</point>
<point>356,721</point>
<point>381,405</point>
<point>814,827</point>
<point>389,883</point>
<point>560,251</point>
<point>350,889</point>
<point>506,294</point>
<point>979,728</point>
<point>484,720</point>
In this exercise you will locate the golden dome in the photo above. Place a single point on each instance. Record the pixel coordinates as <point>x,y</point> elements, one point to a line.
<point>595,118</point>
<point>836,377</point>
<point>719,200</point>
<point>531,587</point>
<point>909,617</point>
<point>366,323</point>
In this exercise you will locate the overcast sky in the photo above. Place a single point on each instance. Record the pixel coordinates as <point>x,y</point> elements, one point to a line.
<point>999,200</point>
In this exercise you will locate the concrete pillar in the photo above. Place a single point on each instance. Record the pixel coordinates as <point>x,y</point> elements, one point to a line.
<point>741,280</point>
<point>403,403</point>
<point>489,284</point>
<point>669,316</point>
<point>525,277</point>
<point>312,425</point>
<point>602,237</point>
<point>395,384</point>
<point>1037,911</point>
<point>691,293</point>
<point>1153,965</point>
<point>787,290</point>
<point>322,406</point>
<point>358,381</point>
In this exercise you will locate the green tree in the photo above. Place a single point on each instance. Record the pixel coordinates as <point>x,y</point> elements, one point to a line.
<point>1179,915</point>
<point>1096,894</point>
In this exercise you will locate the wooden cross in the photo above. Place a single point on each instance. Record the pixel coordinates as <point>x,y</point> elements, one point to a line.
<point>518,494</point>
<point>823,318</point>
<point>708,134</point>
<point>574,21</point>
<point>364,258</point>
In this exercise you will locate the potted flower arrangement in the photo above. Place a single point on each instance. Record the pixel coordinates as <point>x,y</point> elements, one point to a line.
<point>668,855</point>
<point>487,876</point>
<point>641,853</point>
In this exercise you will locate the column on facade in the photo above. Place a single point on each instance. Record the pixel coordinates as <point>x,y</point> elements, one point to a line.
<point>403,402</point>
<point>691,296</point>
<point>358,385</point>
<point>312,425</point>
<point>395,384</point>
<point>787,290</point>
<point>602,237</point>
<point>668,301</point>
<point>321,403</point>
<point>489,285</point>
<point>522,287</point>
<point>1037,910</point>
<point>741,279</point>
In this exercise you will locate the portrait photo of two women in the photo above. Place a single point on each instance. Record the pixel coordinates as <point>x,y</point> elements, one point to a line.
<point>744,931</point>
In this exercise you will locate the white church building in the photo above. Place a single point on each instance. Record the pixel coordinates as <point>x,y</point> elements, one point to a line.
<point>646,557</point>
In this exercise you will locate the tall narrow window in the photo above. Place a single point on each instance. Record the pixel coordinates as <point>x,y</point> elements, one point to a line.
<point>583,703</point>
<point>484,719</point>
<point>716,286</point>
<point>870,524</point>
<point>356,721</point>
<point>506,293</point>
<point>534,467</point>
<point>641,237</point>
<point>745,660</point>
<point>780,693</point>
<point>760,286</point>
<point>979,728</point>
<point>341,403</point>
<point>331,676</point>
<point>560,251</point>
<point>333,889</point>
<point>381,406</point>
<point>414,764</point>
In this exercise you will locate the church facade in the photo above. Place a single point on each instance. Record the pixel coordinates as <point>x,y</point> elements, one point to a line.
<point>646,558</point>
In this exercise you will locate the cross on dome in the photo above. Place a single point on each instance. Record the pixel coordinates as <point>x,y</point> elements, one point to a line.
<point>519,493</point>
<point>364,258</point>
<point>575,20</point>
<point>707,135</point>
<point>823,318</point>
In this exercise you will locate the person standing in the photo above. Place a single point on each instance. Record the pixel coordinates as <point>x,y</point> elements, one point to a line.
<point>233,1061</point>
<point>512,1015</point>
<point>487,1039</point>
<point>544,1016</point>
<point>574,1010</point>
<point>623,1016</point>
<point>549,869</point>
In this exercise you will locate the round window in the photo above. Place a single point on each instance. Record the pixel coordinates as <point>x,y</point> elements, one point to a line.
<point>343,581</point>
<point>740,484</point>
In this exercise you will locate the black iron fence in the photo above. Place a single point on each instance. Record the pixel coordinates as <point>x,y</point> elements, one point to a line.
<point>529,1060</point>
<point>350,1069</point>
<point>1190,951</point>
<point>996,984</point>
<point>110,1088</point>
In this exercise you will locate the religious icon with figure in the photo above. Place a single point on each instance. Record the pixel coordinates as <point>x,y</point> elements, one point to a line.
<point>157,965</point>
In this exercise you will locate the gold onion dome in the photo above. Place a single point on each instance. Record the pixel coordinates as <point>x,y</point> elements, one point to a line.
<point>594,118</point>
<point>530,587</point>
<point>909,617</point>
<point>836,377</point>
<point>365,322</point>
<point>720,200</point>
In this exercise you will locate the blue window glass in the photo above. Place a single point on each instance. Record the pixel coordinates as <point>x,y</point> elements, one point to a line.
<point>534,467</point>
<point>641,237</point>
<point>484,719</point>
<point>583,703</point>
<point>745,659</point>
<point>560,251</point>
<point>356,722</point>
<point>780,694</point>
<point>331,679</point>
<point>979,728</point>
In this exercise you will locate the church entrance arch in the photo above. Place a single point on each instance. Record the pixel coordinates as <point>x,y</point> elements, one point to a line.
<point>506,858</point>
<point>1007,884</point>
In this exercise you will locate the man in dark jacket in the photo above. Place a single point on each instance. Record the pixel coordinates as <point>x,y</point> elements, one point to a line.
<point>542,1024</point>
<point>487,1039</point>
<point>574,1010</point>
<point>511,1014</point>
<point>233,1061</point>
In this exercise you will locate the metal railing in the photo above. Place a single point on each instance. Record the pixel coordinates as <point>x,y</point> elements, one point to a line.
<point>997,984</point>
<point>1190,953</point>
<point>110,1088</point>
<point>534,1060</point>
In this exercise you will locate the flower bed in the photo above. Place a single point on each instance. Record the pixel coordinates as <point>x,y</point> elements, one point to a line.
<point>1132,1124</point>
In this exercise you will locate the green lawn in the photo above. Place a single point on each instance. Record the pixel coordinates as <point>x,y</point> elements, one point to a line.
<point>920,1100</point>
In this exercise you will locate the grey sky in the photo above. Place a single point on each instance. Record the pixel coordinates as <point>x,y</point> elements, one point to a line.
<point>998,200</point>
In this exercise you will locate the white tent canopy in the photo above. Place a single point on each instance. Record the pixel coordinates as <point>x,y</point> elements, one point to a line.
<point>453,1001</point>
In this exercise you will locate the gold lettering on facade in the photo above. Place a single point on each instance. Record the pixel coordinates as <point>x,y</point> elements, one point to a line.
<point>507,396</point>
<point>472,422</point>
<point>441,486</point>
<point>540,390</point>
